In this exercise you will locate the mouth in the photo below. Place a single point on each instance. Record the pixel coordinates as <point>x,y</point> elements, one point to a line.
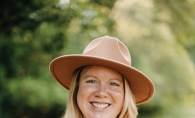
<point>100,105</point>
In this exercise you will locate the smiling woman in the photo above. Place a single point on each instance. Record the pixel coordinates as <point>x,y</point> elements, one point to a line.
<point>101,81</point>
<point>101,92</point>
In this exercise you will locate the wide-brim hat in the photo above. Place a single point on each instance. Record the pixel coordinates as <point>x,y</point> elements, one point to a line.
<point>108,52</point>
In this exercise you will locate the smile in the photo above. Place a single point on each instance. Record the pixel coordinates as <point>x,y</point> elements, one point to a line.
<point>101,106</point>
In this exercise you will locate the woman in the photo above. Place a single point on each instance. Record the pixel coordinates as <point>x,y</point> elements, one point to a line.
<point>101,81</point>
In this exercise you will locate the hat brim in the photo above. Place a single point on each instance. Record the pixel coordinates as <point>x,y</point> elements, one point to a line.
<point>63,68</point>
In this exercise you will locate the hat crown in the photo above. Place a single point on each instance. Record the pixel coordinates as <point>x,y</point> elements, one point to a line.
<point>109,48</point>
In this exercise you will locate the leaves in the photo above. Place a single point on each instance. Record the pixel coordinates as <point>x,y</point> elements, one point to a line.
<point>159,34</point>
<point>151,30</point>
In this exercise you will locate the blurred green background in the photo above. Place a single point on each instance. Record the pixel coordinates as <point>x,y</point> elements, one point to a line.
<point>160,35</point>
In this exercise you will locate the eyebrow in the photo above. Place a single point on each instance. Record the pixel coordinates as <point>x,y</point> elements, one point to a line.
<point>87,76</point>
<point>116,79</point>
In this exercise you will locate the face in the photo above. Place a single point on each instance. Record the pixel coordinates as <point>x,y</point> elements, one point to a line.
<point>101,92</point>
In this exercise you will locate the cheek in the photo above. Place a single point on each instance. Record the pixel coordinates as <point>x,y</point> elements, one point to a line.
<point>118,93</point>
<point>118,96</point>
<point>81,96</point>
<point>84,93</point>
<point>121,97</point>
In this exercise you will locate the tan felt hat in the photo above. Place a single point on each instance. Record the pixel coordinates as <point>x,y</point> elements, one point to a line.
<point>108,52</point>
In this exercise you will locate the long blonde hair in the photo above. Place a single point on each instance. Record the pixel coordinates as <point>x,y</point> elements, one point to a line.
<point>129,109</point>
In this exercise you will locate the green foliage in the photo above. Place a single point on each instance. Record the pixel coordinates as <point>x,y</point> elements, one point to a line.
<point>24,14</point>
<point>32,34</point>
<point>152,31</point>
<point>32,98</point>
<point>159,34</point>
<point>181,21</point>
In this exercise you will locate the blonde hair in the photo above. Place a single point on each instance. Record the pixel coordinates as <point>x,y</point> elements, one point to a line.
<point>129,109</point>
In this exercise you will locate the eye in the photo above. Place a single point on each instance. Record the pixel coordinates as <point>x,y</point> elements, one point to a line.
<point>91,81</point>
<point>113,84</point>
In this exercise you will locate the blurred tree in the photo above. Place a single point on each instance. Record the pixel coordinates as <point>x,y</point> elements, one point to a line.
<point>17,24</point>
<point>33,33</point>
<point>180,17</point>
<point>152,29</point>
<point>158,33</point>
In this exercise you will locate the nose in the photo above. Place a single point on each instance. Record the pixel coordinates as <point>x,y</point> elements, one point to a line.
<point>101,91</point>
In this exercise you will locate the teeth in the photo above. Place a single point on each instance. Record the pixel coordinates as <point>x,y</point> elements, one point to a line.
<point>100,105</point>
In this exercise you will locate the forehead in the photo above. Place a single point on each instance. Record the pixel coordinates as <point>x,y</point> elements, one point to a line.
<point>99,71</point>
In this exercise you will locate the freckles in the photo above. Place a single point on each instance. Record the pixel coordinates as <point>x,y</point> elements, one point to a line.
<point>118,93</point>
<point>81,90</point>
<point>84,89</point>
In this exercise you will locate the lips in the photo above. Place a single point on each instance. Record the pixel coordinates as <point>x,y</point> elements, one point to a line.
<point>100,105</point>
